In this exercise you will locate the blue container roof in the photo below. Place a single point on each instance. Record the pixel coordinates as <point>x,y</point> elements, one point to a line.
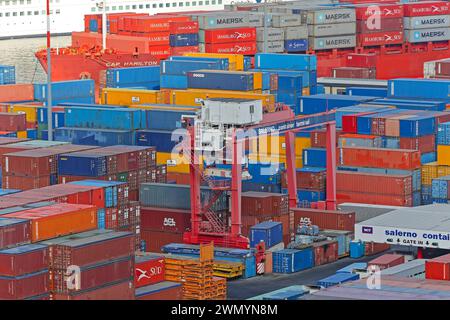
<point>265,225</point>
<point>339,278</point>
<point>340,97</point>
<point>311,169</point>
<point>354,266</point>
<point>10,221</point>
<point>153,288</point>
<point>100,183</point>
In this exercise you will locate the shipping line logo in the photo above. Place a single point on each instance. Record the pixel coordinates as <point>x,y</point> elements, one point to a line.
<point>367,230</point>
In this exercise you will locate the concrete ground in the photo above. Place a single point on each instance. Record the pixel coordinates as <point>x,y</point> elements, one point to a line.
<point>246,288</point>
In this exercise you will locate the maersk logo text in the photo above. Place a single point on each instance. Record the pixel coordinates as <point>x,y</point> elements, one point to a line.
<point>230,20</point>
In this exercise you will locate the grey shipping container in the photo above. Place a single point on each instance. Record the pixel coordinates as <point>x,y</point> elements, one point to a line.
<point>226,20</point>
<point>175,196</point>
<point>272,46</point>
<point>331,16</point>
<point>318,43</point>
<point>426,35</point>
<point>426,22</point>
<point>335,29</point>
<point>282,20</point>
<point>294,33</point>
<point>273,34</point>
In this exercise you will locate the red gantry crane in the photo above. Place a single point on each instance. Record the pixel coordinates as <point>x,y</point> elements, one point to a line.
<point>206,224</point>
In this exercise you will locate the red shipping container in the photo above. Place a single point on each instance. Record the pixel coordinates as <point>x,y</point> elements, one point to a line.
<point>326,219</point>
<point>443,68</point>
<point>155,240</point>
<point>23,260</point>
<point>13,121</point>
<point>169,220</point>
<point>162,291</point>
<point>386,25</point>
<point>14,231</point>
<point>148,270</point>
<point>25,286</point>
<point>156,38</point>
<point>380,38</point>
<point>387,261</point>
<point>231,35</point>
<point>348,181</point>
<point>25,183</point>
<point>176,51</point>
<point>16,92</point>
<point>424,144</point>
<point>264,203</point>
<point>379,158</point>
<point>121,291</point>
<point>95,275</point>
<point>183,27</point>
<point>373,198</point>
<point>311,180</point>
<point>372,248</point>
<point>438,268</point>
<point>245,48</point>
<point>160,51</point>
<point>325,252</point>
<point>361,60</point>
<point>383,11</point>
<point>354,73</point>
<point>319,138</point>
<point>426,8</point>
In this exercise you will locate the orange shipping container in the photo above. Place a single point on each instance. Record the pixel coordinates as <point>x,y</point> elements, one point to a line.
<point>379,158</point>
<point>16,92</point>
<point>58,220</point>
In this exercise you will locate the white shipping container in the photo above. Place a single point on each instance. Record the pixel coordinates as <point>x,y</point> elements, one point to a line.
<point>328,16</point>
<point>427,35</point>
<point>282,20</point>
<point>232,111</point>
<point>426,22</point>
<point>271,47</point>
<point>336,42</point>
<point>335,29</point>
<point>294,33</point>
<point>273,34</point>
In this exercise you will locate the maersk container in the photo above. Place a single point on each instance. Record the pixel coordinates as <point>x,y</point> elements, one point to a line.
<point>162,119</point>
<point>147,77</point>
<point>284,20</point>
<point>82,164</point>
<point>315,157</point>
<point>419,88</point>
<point>427,35</point>
<point>337,278</point>
<point>173,81</point>
<point>424,22</point>
<point>291,260</point>
<point>223,62</point>
<point>182,67</point>
<point>204,79</point>
<point>330,16</point>
<point>162,140</point>
<point>270,232</point>
<point>366,91</point>
<point>297,32</point>
<point>94,137</point>
<point>116,118</point>
<point>417,126</point>
<point>301,62</point>
<point>66,91</point>
<point>221,20</point>
<point>183,40</point>
<point>296,45</point>
<point>335,42</point>
<point>176,196</point>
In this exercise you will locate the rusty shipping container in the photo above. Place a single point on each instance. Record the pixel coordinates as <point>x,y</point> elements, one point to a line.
<point>123,290</point>
<point>94,276</point>
<point>373,183</point>
<point>24,286</point>
<point>325,252</point>
<point>25,183</point>
<point>371,248</point>
<point>354,73</point>
<point>424,144</point>
<point>58,219</point>
<point>379,158</point>
<point>375,198</point>
<point>23,259</point>
<point>13,121</point>
<point>326,219</point>
<point>264,203</point>
<point>161,291</point>
<point>14,232</point>
<point>387,261</point>
<point>155,240</point>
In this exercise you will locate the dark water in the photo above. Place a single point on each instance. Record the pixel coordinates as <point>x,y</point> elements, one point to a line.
<point>20,53</point>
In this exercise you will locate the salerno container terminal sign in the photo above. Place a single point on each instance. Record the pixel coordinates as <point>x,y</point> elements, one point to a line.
<point>401,236</point>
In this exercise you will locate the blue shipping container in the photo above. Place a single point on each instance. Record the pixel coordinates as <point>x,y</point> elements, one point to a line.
<point>163,119</point>
<point>115,118</point>
<point>173,81</point>
<point>94,137</point>
<point>299,45</point>
<point>183,40</point>
<point>291,260</point>
<point>269,231</point>
<point>419,88</point>
<point>303,62</point>
<point>203,79</point>
<point>82,164</point>
<point>223,62</point>
<point>147,77</point>
<point>363,91</point>
<point>67,91</point>
<point>164,141</point>
<point>182,67</point>
<point>337,278</point>
<point>315,157</point>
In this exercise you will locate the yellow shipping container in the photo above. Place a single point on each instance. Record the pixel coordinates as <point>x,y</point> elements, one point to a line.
<point>174,161</point>
<point>29,110</point>
<point>127,97</point>
<point>193,97</point>
<point>429,171</point>
<point>274,159</point>
<point>306,91</point>
<point>273,145</point>
<point>257,80</point>
<point>443,155</point>
<point>236,61</point>
<point>22,134</point>
<point>443,171</point>
<point>164,107</point>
